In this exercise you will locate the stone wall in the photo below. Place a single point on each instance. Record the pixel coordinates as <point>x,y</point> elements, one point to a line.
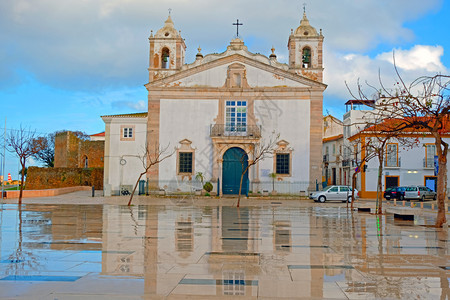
<point>73,152</point>
<point>93,151</point>
<point>66,150</point>
<point>50,178</point>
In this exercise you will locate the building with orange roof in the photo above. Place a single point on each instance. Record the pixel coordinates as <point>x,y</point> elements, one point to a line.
<point>403,165</point>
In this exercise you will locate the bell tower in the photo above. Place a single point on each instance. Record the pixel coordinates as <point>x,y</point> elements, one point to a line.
<point>305,51</point>
<point>167,51</point>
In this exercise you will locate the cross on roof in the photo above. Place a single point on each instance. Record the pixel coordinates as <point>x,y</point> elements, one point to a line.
<point>237,24</point>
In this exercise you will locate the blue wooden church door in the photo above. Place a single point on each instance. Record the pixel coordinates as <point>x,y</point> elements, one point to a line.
<point>232,170</point>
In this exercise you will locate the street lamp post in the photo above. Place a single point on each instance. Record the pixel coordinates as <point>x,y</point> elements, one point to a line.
<point>3,163</point>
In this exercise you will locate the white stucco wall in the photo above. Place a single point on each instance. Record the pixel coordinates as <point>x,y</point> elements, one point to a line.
<point>117,174</point>
<point>258,78</point>
<point>290,118</point>
<point>187,119</point>
<point>411,170</point>
<point>216,77</point>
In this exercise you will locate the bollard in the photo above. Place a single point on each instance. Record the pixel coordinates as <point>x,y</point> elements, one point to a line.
<point>421,204</point>
<point>93,191</point>
<point>432,206</point>
<point>395,202</point>
<point>403,203</point>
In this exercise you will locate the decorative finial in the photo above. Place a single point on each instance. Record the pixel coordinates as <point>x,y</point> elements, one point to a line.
<point>170,10</point>
<point>273,55</point>
<point>292,31</point>
<point>199,54</point>
<point>304,8</point>
<point>151,33</point>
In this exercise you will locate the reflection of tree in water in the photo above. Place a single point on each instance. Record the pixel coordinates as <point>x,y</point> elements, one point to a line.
<point>21,260</point>
<point>442,240</point>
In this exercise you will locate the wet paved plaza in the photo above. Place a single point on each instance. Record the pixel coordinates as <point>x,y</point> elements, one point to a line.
<point>189,249</point>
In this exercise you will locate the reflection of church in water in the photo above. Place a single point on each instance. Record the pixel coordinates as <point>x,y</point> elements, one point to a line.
<point>236,251</point>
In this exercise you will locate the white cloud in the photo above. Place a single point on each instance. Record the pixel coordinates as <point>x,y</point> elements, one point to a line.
<point>93,44</point>
<point>138,106</point>
<point>420,60</point>
<point>420,57</point>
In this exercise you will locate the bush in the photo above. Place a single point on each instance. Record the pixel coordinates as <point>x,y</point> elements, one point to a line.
<point>208,186</point>
<point>207,194</point>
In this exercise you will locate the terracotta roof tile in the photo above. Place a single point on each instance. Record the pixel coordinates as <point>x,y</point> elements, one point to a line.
<point>99,134</point>
<point>132,115</point>
<point>332,138</point>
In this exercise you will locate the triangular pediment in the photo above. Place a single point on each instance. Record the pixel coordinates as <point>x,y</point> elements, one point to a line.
<point>282,145</point>
<point>235,71</point>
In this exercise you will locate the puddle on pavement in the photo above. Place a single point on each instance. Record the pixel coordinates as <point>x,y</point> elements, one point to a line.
<point>267,251</point>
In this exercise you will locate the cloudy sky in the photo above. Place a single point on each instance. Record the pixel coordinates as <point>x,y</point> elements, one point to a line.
<point>64,63</point>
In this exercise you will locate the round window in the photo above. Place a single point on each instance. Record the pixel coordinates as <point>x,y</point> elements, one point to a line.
<point>166,34</point>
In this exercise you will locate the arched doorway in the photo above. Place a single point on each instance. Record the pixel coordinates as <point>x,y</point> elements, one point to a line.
<point>232,170</point>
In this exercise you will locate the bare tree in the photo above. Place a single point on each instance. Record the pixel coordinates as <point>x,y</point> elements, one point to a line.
<point>149,159</point>
<point>374,142</point>
<point>359,155</point>
<point>258,151</point>
<point>421,107</point>
<point>23,143</point>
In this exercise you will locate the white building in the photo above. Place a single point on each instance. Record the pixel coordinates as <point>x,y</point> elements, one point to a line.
<point>403,165</point>
<point>332,151</point>
<point>125,139</point>
<point>217,109</point>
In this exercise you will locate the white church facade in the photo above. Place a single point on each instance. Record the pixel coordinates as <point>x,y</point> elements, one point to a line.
<point>218,108</point>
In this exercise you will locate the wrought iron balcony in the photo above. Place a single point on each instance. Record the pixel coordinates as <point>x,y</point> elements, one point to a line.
<point>346,162</point>
<point>428,163</point>
<point>221,130</point>
<point>326,158</point>
<point>393,163</point>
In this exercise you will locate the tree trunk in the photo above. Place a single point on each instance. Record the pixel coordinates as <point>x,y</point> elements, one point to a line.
<point>135,186</point>
<point>22,163</point>
<point>353,188</point>
<point>240,183</point>
<point>441,189</point>
<point>240,189</point>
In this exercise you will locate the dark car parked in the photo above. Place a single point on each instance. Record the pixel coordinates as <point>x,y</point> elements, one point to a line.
<point>397,192</point>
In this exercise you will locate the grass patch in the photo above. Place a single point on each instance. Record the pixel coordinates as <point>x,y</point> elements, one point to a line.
<point>12,189</point>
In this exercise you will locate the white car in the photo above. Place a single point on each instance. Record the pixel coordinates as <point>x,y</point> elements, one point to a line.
<point>334,193</point>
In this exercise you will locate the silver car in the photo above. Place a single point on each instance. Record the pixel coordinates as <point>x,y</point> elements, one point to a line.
<point>419,192</point>
<point>334,192</point>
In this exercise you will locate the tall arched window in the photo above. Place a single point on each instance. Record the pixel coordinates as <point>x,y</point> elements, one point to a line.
<point>306,57</point>
<point>85,161</point>
<point>165,58</point>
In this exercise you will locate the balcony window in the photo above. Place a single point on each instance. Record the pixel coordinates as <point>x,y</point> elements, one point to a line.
<point>430,152</point>
<point>236,117</point>
<point>392,155</point>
